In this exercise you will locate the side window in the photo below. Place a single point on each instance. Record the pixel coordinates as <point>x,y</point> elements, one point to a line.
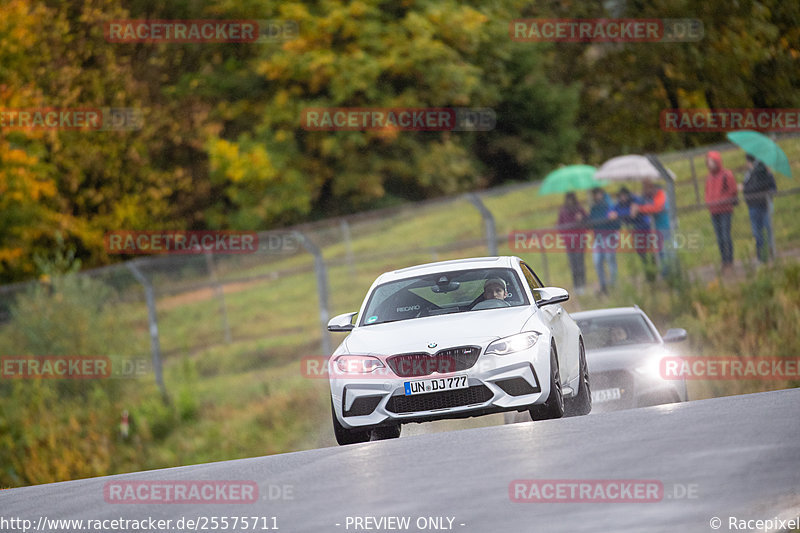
<point>533,281</point>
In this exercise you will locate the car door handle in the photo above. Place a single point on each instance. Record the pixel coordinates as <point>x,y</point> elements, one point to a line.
<point>558,312</point>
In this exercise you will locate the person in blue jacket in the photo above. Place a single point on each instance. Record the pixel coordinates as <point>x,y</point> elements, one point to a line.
<point>606,239</point>
<point>758,188</point>
<point>625,212</point>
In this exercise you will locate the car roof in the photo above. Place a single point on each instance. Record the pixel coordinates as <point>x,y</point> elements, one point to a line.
<point>449,266</point>
<point>612,311</point>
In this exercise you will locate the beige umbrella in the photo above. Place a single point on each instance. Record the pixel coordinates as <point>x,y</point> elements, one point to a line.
<point>629,167</point>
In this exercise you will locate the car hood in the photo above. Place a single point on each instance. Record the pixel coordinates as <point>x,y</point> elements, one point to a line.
<point>624,357</point>
<point>459,329</point>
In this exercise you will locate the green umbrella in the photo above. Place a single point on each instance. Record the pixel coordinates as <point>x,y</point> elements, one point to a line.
<point>762,148</point>
<point>569,178</point>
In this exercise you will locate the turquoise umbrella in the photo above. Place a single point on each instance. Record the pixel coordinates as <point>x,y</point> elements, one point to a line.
<point>762,148</point>
<point>569,178</point>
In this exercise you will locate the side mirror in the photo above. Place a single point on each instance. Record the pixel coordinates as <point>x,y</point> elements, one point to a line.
<point>341,322</point>
<point>551,295</point>
<point>675,335</point>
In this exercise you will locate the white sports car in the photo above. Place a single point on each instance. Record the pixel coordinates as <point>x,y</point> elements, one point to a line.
<point>455,339</point>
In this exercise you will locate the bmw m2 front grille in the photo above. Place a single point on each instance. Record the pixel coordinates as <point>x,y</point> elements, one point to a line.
<point>475,394</point>
<point>409,365</point>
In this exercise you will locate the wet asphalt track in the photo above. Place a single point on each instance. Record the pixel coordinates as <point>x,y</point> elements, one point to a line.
<point>735,456</point>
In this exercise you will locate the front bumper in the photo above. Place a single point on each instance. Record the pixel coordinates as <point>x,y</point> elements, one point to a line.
<point>635,390</point>
<point>495,383</point>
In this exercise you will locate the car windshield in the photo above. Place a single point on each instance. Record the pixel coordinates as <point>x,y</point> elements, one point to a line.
<point>444,293</point>
<point>620,330</point>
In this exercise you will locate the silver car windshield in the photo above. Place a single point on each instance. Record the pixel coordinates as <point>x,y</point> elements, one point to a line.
<point>620,330</point>
<point>444,293</point>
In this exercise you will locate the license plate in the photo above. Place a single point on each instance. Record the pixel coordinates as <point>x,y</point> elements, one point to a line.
<point>425,386</point>
<point>606,395</point>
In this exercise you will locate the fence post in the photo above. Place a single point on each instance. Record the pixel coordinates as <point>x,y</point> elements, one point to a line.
<point>220,293</point>
<point>694,180</point>
<point>322,289</point>
<point>673,209</point>
<point>671,253</point>
<point>773,251</point>
<point>348,246</point>
<point>546,267</point>
<point>488,219</point>
<point>155,345</point>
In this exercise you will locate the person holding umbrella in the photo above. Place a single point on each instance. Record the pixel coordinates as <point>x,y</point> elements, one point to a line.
<point>570,225</point>
<point>721,195</point>
<point>758,186</point>
<point>571,217</point>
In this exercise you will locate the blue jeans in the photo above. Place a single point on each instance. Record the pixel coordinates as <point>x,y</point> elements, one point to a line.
<point>600,258</point>
<point>722,227</point>
<point>666,251</point>
<point>759,222</point>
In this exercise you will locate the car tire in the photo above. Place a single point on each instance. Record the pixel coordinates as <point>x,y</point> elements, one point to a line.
<point>385,432</point>
<point>580,404</point>
<point>346,436</point>
<point>554,406</point>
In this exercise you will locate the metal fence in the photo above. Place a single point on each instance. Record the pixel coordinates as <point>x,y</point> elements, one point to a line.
<point>278,300</point>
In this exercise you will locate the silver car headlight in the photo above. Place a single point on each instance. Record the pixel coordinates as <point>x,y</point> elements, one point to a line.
<point>357,364</point>
<point>651,367</point>
<point>514,343</point>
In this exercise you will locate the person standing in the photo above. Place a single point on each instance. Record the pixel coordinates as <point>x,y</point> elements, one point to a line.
<point>606,239</point>
<point>721,196</point>
<point>758,186</point>
<point>626,210</point>
<point>655,204</point>
<point>570,224</point>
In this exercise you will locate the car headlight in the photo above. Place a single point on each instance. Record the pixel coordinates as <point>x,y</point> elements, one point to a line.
<point>357,364</point>
<point>514,343</point>
<point>651,368</point>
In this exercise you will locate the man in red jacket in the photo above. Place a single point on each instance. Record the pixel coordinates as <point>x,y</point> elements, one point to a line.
<point>721,197</point>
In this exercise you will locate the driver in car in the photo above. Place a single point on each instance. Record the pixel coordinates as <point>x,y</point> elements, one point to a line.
<point>495,288</point>
<point>618,335</point>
